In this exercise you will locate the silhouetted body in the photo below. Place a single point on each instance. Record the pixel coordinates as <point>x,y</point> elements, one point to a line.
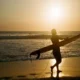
<point>56,49</point>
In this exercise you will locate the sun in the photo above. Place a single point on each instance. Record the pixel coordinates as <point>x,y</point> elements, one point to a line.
<point>57,13</point>
<point>54,14</point>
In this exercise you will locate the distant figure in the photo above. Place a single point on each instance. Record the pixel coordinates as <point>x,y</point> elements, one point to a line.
<point>56,50</point>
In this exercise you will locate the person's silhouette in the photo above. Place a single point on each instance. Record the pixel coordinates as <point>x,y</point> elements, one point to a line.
<point>56,50</point>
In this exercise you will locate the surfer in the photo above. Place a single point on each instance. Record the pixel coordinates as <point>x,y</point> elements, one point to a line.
<point>56,50</point>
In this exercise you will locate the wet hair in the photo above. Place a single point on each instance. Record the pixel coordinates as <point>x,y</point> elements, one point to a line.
<point>53,31</point>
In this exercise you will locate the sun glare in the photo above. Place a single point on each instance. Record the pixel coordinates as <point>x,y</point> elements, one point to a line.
<point>54,14</point>
<point>58,13</point>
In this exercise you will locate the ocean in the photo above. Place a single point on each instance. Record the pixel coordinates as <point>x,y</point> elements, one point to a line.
<point>20,49</point>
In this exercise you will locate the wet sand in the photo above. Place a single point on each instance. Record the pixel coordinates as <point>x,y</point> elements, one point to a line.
<point>40,69</point>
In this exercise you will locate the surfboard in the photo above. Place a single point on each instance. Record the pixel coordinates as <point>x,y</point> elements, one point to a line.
<point>50,47</point>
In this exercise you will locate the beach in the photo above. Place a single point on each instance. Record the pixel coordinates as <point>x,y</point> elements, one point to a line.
<point>40,69</point>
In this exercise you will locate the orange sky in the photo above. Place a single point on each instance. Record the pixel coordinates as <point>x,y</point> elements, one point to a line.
<point>39,15</point>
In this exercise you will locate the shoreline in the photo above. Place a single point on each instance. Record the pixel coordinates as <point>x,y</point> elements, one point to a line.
<point>37,59</point>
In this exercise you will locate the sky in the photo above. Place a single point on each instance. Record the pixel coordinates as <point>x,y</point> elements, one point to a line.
<point>39,15</point>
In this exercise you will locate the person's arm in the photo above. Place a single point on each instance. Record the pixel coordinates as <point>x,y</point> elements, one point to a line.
<point>52,40</point>
<point>62,38</point>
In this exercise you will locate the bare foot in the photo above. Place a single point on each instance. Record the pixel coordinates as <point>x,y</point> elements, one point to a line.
<point>59,71</point>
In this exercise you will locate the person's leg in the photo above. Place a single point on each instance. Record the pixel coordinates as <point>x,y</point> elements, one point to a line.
<point>58,61</point>
<point>57,66</point>
<point>53,67</point>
